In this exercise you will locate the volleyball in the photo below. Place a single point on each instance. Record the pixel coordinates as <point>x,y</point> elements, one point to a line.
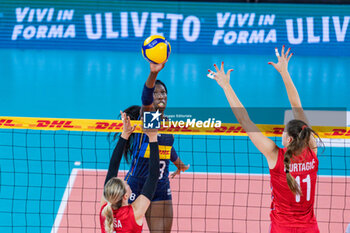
<point>156,49</point>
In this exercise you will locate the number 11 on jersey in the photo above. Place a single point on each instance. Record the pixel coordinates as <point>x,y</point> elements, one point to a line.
<point>307,180</point>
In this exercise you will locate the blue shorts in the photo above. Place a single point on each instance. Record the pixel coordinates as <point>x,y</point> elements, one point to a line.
<point>163,192</point>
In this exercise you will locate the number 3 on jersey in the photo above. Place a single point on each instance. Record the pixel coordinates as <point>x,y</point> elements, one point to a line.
<point>307,180</point>
<point>161,168</point>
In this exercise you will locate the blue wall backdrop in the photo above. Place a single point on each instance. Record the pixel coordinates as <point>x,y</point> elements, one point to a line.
<point>190,27</point>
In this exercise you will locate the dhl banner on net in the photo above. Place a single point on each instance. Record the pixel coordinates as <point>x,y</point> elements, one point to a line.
<point>226,129</point>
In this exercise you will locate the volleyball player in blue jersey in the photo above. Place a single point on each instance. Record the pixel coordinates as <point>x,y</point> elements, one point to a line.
<point>160,213</point>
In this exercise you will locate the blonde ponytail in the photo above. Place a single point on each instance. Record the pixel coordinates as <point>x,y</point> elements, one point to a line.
<point>113,192</point>
<point>108,213</point>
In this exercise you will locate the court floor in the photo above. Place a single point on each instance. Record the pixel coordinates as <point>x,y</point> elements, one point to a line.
<point>205,203</point>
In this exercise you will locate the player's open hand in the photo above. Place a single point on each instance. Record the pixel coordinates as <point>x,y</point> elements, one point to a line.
<point>222,78</point>
<point>128,129</point>
<point>181,168</point>
<point>283,59</point>
<point>155,68</point>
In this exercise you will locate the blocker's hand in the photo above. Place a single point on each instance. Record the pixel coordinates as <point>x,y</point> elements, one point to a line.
<point>155,68</point>
<point>222,78</point>
<point>283,60</point>
<point>128,129</point>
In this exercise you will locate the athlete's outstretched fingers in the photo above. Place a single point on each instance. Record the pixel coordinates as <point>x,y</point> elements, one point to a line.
<point>211,74</point>
<point>277,53</point>
<point>222,66</point>
<point>282,51</point>
<point>216,67</point>
<point>210,71</point>
<point>287,52</point>
<point>289,56</point>
<point>273,64</point>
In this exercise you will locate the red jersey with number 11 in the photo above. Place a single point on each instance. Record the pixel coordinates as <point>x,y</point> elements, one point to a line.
<point>291,210</point>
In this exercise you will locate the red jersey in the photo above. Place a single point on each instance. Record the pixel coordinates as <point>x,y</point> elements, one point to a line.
<point>291,210</point>
<point>124,220</point>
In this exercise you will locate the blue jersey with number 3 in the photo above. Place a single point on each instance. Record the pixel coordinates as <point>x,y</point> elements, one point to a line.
<point>141,154</point>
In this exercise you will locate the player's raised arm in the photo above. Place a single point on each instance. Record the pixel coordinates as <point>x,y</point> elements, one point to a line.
<point>282,68</point>
<point>118,150</point>
<point>148,89</point>
<point>142,202</point>
<point>156,50</point>
<point>293,95</point>
<point>263,143</point>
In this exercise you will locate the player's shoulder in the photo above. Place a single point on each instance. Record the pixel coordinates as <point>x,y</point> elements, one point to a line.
<point>166,139</point>
<point>126,209</point>
<point>279,166</point>
<point>125,212</point>
<point>281,152</point>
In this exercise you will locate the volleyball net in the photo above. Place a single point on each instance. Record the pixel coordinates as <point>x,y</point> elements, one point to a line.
<point>53,171</point>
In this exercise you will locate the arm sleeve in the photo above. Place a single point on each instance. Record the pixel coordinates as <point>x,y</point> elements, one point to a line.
<point>115,159</point>
<point>173,155</point>
<point>151,182</point>
<point>147,95</point>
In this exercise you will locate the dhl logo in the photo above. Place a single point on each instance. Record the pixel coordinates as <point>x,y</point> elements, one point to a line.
<point>39,124</point>
<point>164,152</point>
<point>339,132</point>
<point>106,125</point>
<point>232,129</point>
<point>66,124</point>
<point>177,129</point>
<point>6,122</point>
<point>54,124</point>
<point>117,126</point>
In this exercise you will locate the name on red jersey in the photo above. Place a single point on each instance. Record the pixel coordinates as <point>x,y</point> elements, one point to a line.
<point>117,224</point>
<point>300,167</point>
